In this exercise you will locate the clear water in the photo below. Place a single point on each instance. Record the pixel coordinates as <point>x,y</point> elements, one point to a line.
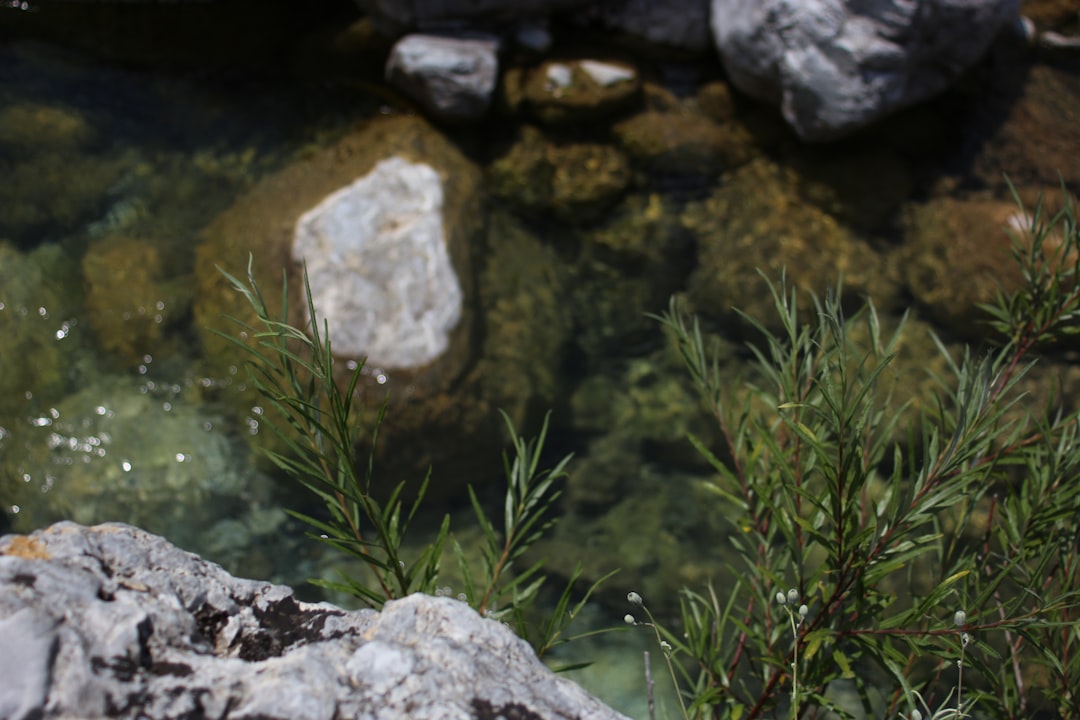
<point>107,176</point>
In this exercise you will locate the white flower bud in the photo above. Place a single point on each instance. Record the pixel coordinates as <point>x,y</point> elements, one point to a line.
<point>781,598</point>
<point>803,612</point>
<point>915,715</point>
<point>960,618</point>
<point>633,598</point>
<point>629,619</point>
<point>792,596</point>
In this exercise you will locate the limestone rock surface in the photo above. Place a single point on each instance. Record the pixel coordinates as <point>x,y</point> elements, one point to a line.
<point>111,621</point>
<point>379,268</point>
<point>834,66</point>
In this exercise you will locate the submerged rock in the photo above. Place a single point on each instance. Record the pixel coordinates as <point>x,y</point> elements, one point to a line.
<point>385,219</point>
<point>380,274</point>
<point>128,301</point>
<point>125,448</point>
<point>353,234</point>
<point>442,404</point>
<point>561,92</point>
<point>52,192</point>
<point>39,298</point>
<point>1024,125</point>
<point>113,621</point>
<point>574,181</point>
<point>958,255</point>
<point>628,268</point>
<point>757,222</point>
<point>29,127</point>
<point>677,143</point>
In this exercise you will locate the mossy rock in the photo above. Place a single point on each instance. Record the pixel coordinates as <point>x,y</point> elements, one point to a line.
<point>627,268</point>
<point>128,302</point>
<point>457,431</point>
<point>504,354</point>
<point>54,191</point>
<point>757,222</point>
<point>648,409</point>
<point>576,182</point>
<point>684,142</point>
<point>260,225</point>
<point>643,231</point>
<point>1036,134</point>
<point>39,294</point>
<point>29,127</point>
<point>958,255</point>
<point>523,290</point>
<point>120,449</point>
<point>561,92</point>
<point>716,101</point>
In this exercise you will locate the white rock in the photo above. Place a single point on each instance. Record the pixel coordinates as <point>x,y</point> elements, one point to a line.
<point>834,66</point>
<point>453,78</point>
<point>607,74</point>
<point>380,272</point>
<point>559,75</point>
<point>111,621</point>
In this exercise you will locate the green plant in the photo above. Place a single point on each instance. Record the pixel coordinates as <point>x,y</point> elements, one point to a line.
<point>834,488</point>
<point>316,421</point>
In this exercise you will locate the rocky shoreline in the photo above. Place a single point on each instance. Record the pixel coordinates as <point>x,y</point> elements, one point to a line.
<point>112,621</point>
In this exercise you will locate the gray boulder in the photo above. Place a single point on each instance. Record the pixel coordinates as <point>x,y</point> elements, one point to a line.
<point>834,66</point>
<point>452,78</point>
<point>113,621</point>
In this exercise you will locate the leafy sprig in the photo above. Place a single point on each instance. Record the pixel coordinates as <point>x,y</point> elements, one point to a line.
<point>823,491</point>
<point>317,423</point>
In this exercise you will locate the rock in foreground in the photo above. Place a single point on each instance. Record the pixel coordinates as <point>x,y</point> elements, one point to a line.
<point>113,621</point>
